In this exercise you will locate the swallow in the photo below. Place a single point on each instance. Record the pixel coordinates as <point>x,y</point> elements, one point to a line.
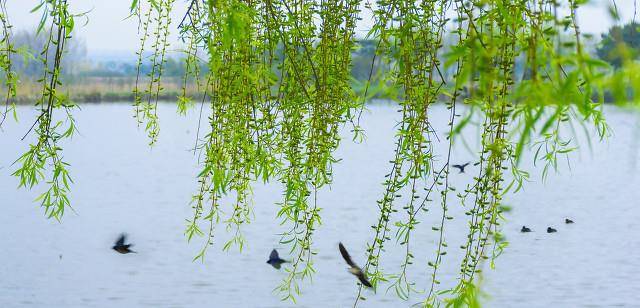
<point>461,167</point>
<point>353,268</point>
<point>121,247</point>
<point>525,229</point>
<point>551,230</point>
<point>274,259</point>
<point>568,221</point>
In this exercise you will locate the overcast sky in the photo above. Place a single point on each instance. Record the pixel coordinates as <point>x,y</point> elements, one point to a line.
<point>108,31</point>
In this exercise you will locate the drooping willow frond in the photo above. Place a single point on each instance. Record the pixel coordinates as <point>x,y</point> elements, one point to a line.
<point>6,52</point>
<point>45,154</point>
<point>155,21</point>
<point>279,87</point>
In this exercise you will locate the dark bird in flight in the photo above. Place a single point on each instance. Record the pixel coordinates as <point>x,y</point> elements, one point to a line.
<point>121,247</point>
<point>525,229</point>
<point>568,221</point>
<point>353,268</point>
<point>461,167</point>
<point>274,259</point>
<point>551,230</point>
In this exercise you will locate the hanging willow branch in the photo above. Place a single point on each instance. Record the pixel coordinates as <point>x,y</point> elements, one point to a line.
<point>45,154</point>
<point>6,52</point>
<point>279,87</point>
<point>155,24</point>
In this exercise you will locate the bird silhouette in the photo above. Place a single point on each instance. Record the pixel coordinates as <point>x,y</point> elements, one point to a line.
<point>274,259</point>
<point>461,167</point>
<point>551,230</point>
<point>568,221</point>
<point>121,247</point>
<point>525,229</point>
<point>353,268</point>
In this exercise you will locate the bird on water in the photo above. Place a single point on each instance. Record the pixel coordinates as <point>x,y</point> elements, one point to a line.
<point>461,167</point>
<point>353,268</point>
<point>120,245</point>
<point>568,221</point>
<point>525,229</point>
<point>274,259</point>
<point>551,230</point>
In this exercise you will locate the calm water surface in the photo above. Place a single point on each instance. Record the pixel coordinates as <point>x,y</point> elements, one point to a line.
<point>123,185</point>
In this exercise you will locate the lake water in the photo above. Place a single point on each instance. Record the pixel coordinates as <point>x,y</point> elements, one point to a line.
<point>123,185</point>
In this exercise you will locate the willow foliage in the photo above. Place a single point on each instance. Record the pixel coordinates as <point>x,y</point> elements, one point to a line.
<point>278,89</point>
<point>44,160</point>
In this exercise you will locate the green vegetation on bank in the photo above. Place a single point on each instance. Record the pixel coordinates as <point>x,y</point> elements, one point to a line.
<point>102,89</point>
<point>112,78</point>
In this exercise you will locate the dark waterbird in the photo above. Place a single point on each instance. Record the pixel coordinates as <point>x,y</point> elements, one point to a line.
<point>568,221</point>
<point>525,229</point>
<point>120,245</point>
<point>274,259</point>
<point>551,230</point>
<point>461,167</point>
<point>353,268</point>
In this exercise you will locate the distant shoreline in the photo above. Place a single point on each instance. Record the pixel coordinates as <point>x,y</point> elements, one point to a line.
<point>120,89</point>
<point>103,89</point>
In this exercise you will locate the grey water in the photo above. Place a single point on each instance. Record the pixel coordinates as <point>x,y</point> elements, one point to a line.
<point>123,185</point>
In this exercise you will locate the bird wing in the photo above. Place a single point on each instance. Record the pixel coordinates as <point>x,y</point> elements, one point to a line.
<point>466,164</point>
<point>121,239</point>
<point>274,255</point>
<point>364,280</point>
<point>345,255</point>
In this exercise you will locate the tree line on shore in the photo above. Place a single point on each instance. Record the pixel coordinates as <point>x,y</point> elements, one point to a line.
<point>112,76</point>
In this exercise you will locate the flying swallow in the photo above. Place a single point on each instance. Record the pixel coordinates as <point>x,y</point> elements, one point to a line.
<point>274,259</point>
<point>121,247</point>
<point>461,167</point>
<point>354,269</point>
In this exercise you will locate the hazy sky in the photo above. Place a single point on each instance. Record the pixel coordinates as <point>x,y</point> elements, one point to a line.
<point>108,31</point>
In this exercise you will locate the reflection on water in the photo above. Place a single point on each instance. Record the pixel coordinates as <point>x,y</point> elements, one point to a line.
<point>123,185</point>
